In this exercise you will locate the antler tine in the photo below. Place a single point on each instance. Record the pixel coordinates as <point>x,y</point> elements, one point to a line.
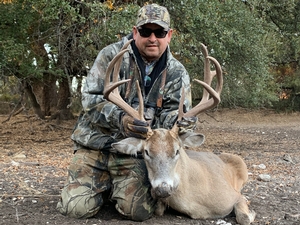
<point>180,107</point>
<point>108,88</point>
<point>175,128</point>
<point>114,65</point>
<point>218,72</point>
<point>207,103</point>
<point>208,74</point>
<point>141,101</point>
<point>111,91</point>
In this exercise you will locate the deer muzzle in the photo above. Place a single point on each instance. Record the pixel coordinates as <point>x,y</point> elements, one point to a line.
<point>162,191</point>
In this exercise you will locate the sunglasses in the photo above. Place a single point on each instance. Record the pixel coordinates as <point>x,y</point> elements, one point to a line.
<point>146,32</point>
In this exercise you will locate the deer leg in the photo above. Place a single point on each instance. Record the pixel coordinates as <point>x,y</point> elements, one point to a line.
<point>243,215</point>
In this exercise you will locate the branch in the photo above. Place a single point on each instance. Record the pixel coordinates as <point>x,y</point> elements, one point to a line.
<point>13,112</point>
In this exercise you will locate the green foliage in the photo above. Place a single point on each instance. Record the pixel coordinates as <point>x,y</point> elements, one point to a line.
<point>81,29</point>
<point>285,20</point>
<point>283,40</point>
<point>235,37</point>
<point>13,38</point>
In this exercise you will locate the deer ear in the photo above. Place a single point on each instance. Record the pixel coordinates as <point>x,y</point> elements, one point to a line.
<point>130,146</point>
<point>192,139</point>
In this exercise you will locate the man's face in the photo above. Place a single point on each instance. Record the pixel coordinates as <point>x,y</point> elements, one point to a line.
<point>151,48</point>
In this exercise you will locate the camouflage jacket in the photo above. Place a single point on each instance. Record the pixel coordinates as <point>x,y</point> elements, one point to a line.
<point>99,123</point>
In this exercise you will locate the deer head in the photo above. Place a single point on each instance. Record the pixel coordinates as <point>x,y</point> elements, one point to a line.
<point>163,148</point>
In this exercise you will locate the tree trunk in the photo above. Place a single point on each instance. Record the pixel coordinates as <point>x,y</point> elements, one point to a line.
<point>64,99</point>
<point>49,93</point>
<point>36,106</point>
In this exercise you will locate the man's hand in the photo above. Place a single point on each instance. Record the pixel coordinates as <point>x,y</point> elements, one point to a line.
<point>187,124</point>
<point>134,128</point>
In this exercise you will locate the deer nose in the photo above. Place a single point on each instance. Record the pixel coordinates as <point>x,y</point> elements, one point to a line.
<point>163,191</point>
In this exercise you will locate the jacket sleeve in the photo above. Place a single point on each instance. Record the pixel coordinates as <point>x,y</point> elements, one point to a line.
<point>99,110</point>
<point>99,122</point>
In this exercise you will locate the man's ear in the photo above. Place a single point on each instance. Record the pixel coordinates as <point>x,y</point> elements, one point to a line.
<point>134,32</point>
<point>169,35</point>
<point>129,146</point>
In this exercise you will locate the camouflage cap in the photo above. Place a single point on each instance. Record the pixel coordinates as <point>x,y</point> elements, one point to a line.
<point>153,13</point>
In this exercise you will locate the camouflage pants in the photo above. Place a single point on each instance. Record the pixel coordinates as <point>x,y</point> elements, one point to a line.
<point>91,173</point>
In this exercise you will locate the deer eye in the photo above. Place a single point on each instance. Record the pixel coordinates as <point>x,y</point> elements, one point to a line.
<point>177,152</point>
<point>147,152</point>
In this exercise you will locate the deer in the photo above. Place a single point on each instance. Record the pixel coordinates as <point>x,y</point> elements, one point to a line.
<point>201,185</point>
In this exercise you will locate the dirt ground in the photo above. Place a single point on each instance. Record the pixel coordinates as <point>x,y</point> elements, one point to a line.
<point>34,156</point>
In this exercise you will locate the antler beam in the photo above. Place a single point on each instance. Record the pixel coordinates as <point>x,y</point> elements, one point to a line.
<point>206,102</point>
<point>111,91</point>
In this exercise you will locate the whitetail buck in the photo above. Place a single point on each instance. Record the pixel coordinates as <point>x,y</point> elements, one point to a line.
<point>201,185</point>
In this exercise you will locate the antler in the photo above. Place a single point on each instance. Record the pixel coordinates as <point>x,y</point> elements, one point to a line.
<point>111,91</point>
<point>112,94</point>
<point>206,102</point>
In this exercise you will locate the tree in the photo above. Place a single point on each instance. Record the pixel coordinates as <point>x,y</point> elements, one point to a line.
<point>16,59</point>
<point>283,19</point>
<point>58,40</point>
